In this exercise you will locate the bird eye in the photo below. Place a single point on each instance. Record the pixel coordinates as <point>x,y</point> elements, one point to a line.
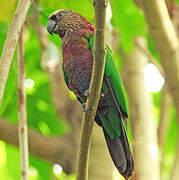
<point>60,15</point>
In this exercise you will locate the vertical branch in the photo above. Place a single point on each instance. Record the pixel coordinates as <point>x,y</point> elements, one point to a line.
<point>23,134</point>
<point>164,117</point>
<point>11,42</point>
<point>164,123</point>
<point>94,90</point>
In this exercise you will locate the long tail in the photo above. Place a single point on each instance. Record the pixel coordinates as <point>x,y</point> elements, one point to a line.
<point>120,153</point>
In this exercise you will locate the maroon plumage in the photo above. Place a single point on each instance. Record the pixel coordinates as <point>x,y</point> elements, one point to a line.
<point>77,58</point>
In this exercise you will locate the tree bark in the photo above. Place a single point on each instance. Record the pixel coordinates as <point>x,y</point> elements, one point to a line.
<point>143,123</point>
<point>164,117</point>
<point>164,125</point>
<point>22,112</point>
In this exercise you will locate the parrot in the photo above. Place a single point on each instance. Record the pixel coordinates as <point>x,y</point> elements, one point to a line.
<point>77,45</point>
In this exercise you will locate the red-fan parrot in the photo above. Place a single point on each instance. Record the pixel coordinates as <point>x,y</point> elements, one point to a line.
<point>77,36</point>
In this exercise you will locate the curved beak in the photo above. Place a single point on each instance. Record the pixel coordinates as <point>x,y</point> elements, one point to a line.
<point>51,26</point>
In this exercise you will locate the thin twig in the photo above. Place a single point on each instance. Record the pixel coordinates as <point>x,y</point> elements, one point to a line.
<point>164,117</point>
<point>164,124</point>
<point>94,90</point>
<point>11,42</point>
<point>22,114</point>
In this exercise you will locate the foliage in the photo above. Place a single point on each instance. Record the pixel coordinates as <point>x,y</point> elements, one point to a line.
<point>42,114</point>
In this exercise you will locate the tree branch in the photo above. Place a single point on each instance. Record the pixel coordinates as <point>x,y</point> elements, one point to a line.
<point>164,124</point>
<point>11,42</point>
<point>22,113</point>
<point>94,90</point>
<point>166,42</point>
<point>164,117</point>
<point>53,149</point>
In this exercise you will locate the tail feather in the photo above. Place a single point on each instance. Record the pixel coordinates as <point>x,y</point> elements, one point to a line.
<point>120,153</point>
<point>130,161</point>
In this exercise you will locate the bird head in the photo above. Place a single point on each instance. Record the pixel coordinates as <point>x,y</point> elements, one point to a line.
<point>64,22</point>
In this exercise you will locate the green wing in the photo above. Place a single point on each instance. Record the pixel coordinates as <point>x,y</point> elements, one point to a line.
<point>112,118</point>
<point>112,73</point>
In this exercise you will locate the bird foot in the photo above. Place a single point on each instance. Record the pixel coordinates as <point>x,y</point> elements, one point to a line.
<point>102,94</point>
<point>87,93</point>
<point>84,109</point>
